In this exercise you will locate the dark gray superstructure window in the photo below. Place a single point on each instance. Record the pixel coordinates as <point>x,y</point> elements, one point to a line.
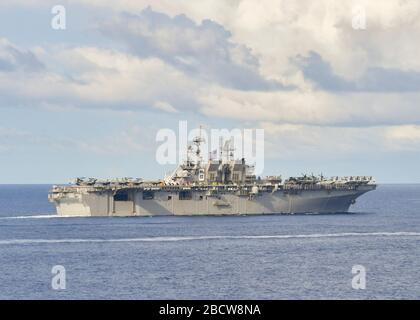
<point>148,195</point>
<point>185,195</point>
<point>121,195</point>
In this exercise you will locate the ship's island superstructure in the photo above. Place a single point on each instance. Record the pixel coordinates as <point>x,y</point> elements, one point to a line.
<point>218,187</point>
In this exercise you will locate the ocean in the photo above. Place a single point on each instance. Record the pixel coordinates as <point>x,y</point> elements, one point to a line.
<point>246,257</point>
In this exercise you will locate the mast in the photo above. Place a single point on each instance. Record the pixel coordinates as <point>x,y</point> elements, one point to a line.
<point>197,142</point>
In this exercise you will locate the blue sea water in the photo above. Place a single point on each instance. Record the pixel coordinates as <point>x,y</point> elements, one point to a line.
<point>248,257</point>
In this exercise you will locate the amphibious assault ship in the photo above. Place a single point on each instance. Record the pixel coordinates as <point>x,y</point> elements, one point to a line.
<point>223,186</point>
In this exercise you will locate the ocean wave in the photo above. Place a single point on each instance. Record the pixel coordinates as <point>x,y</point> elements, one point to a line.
<point>200,238</point>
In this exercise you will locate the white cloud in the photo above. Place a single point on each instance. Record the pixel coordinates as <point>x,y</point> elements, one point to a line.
<point>164,106</point>
<point>279,29</point>
<point>201,50</point>
<point>313,107</point>
<point>15,59</point>
<point>405,137</point>
<point>219,68</point>
<point>286,141</point>
<point>99,78</point>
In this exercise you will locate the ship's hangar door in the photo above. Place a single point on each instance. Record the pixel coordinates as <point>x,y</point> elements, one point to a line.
<point>124,202</point>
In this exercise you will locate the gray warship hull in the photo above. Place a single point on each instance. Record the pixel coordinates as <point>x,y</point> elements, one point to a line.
<point>223,186</point>
<point>178,201</point>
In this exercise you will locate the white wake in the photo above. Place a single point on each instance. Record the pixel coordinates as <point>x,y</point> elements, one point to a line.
<point>40,216</point>
<point>194,238</point>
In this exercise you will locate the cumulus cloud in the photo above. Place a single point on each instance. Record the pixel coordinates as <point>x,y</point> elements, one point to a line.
<point>203,50</point>
<point>313,107</point>
<point>14,59</point>
<point>316,69</point>
<point>89,77</point>
<point>164,106</point>
<point>176,63</point>
<point>229,59</point>
<point>405,137</point>
<point>288,141</point>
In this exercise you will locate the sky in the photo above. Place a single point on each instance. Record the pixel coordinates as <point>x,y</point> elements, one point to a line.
<point>334,84</point>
